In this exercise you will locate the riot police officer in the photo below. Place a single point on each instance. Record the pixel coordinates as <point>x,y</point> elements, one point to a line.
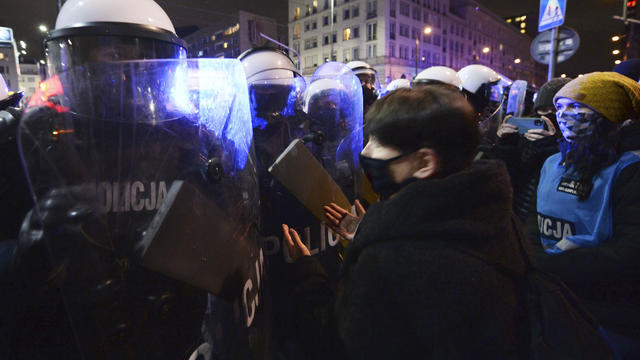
<point>145,193</point>
<point>480,84</point>
<point>369,79</point>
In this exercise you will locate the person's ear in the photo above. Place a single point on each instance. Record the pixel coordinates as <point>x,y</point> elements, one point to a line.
<point>428,163</point>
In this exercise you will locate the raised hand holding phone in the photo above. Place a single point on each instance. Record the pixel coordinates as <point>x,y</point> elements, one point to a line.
<point>506,129</point>
<point>537,134</point>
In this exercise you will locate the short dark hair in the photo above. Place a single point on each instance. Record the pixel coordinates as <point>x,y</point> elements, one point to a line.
<point>434,117</point>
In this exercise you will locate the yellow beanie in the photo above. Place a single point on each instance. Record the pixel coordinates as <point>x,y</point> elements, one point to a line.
<point>614,96</point>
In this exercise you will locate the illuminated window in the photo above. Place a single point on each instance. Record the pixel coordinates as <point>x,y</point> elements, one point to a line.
<point>346,34</point>
<point>231,30</point>
<point>296,32</point>
<point>296,13</point>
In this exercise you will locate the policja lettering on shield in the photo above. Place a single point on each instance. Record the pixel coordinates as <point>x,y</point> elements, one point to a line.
<point>131,196</point>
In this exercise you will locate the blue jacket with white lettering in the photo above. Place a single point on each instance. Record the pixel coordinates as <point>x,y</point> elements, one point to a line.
<point>607,276</point>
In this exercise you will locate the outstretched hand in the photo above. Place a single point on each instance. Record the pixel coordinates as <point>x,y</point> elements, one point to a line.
<point>343,222</point>
<point>293,243</point>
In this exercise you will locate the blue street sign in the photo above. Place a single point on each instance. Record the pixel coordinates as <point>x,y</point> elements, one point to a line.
<point>552,14</point>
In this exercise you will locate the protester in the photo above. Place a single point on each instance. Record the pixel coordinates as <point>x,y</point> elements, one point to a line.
<point>409,287</point>
<point>589,202</point>
<point>525,153</point>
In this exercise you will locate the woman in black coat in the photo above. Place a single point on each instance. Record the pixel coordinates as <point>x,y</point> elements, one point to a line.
<point>411,285</point>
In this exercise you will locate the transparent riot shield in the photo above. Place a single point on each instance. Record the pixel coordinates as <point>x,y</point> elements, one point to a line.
<point>333,100</point>
<point>277,117</point>
<point>334,136</point>
<point>146,208</point>
<point>516,100</point>
<point>491,116</point>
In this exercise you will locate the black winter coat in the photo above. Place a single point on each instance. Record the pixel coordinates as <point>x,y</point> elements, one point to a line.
<point>407,291</point>
<point>524,160</point>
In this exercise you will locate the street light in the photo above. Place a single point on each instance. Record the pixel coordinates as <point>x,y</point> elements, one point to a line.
<point>517,61</point>
<point>617,62</point>
<point>43,28</point>
<point>427,30</point>
<point>23,44</point>
<point>563,76</point>
<point>485,50</point>
<point>615,38</point>
<point>615,52</point>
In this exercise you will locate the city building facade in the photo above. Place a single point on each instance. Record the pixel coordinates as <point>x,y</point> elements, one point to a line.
<point>398,37</point>
<point>29,78</point>
<point>9,59</point>
<point>230,37</point>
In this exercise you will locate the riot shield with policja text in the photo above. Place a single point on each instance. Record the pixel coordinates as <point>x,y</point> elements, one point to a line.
<point>146,205</point>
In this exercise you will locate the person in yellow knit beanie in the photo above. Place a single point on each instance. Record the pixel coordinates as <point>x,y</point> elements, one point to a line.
<point>588,203</point>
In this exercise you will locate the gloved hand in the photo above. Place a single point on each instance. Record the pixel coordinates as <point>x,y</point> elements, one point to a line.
<point>57,220</point>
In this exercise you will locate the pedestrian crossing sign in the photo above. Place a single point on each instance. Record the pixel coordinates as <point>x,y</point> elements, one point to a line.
<point>551,14</point>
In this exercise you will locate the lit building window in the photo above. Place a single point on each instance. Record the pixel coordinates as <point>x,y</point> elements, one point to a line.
<point>346,35</point>
<point>296,32</point>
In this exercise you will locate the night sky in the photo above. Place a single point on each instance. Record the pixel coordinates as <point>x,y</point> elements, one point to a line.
<point>592,19</point>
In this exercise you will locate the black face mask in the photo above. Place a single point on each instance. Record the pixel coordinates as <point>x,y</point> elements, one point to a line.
<point>269,99</point>
<point>378,173</point>
<point>369,95</point>
<point>328,116</point>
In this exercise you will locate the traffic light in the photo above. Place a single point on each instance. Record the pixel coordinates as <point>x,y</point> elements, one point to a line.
<point>631,8</point>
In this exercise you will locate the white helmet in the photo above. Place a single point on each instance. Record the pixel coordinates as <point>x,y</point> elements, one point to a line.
<point>267,64</point>
<point>474,76</point>
<point>361,67</point>
<point>397,84</point>
<point>111,30</point>
<point>322,88</point>
<point>144,12</point>
<point>438,75</point>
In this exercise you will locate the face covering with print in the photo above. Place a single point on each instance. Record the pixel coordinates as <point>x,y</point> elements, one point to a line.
<point>576,125</point>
